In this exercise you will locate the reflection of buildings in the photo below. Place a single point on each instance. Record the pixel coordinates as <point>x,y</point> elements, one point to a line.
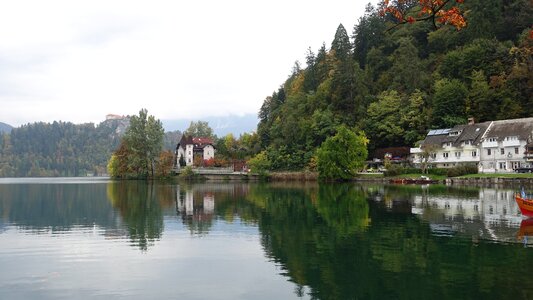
<point>493,215</point>
<point>196,208</point>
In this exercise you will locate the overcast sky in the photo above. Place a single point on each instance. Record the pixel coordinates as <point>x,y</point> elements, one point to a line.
<point>80,60</point>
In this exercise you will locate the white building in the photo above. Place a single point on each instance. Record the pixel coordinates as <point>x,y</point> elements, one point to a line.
<point>494,146</point>
<point>452,146</point>
<point>504,146</point>
<point>189,148</point>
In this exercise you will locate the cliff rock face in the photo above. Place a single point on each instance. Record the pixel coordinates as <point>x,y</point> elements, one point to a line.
<point>119,124</point>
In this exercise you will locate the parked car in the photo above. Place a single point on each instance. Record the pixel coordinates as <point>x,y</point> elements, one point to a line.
<point>523,170</point>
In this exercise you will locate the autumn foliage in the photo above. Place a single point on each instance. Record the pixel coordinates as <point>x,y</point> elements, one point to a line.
<point>440,12</point>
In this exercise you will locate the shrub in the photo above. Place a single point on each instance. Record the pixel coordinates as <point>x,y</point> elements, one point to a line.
<point>187,173</point>
<point>462,170</point>
<point>259,163</point>
<point>438,171</point>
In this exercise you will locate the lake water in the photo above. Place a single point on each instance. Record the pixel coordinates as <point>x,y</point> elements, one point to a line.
<point>78,238</point>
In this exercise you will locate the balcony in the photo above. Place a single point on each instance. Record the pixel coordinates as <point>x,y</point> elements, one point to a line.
<point>488,144</point>
<point>511,143</point>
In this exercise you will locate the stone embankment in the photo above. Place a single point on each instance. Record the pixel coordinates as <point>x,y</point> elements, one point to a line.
<point>484,181</point>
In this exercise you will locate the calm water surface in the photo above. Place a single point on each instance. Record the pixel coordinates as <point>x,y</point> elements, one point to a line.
<point>99,239</point>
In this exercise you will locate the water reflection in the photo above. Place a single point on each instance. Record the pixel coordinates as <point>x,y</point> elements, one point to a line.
<point>339,241</point>
<point>480,213</point>
<point>57,208</point>
<point>140,205</point>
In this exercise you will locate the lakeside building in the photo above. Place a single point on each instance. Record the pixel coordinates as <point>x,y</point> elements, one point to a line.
<point>493,146</point>
<point>504,145</point>
<point>190,148</point>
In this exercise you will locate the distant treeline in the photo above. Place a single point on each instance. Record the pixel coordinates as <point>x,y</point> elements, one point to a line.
<point>396,84</point>
<point>63,148</point>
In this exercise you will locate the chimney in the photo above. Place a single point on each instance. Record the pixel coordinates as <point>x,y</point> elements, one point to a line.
<point>471,121</point>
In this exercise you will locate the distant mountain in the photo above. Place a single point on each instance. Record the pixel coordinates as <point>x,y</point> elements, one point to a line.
<point>221,125</point>
<point>5,128</point>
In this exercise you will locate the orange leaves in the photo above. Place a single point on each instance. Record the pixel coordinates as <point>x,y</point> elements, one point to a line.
<point>438,11</point>
<point>452,17</point>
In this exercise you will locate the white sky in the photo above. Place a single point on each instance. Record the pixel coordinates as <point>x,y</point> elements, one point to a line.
<point>80,60</point>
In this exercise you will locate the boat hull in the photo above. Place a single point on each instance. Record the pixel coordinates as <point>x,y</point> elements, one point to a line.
<point>525,205</point>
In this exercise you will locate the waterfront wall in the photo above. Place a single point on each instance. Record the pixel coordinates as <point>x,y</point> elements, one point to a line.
<point>491,181</point>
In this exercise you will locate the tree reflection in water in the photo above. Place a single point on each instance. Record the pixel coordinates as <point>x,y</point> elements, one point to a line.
<point>140,206</point>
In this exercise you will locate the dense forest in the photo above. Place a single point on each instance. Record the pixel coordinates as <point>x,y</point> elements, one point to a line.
<point>390,80</point>
<point>64,148</point>
<point>396,82</point>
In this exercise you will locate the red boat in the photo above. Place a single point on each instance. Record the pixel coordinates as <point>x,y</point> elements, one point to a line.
<point>525,204</point>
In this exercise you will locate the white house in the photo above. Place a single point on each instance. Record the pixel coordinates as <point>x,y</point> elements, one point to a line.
<point>504,146</point>
<point>451,147</point>
<point>189,148</point>
<point>494,146</point>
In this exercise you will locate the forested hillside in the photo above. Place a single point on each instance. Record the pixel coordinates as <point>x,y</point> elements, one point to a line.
<point>5,128</point>
<point>396,82</point>
<point>63,149</point>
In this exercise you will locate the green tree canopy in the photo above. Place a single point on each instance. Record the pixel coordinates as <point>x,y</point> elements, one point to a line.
<point>141,146</point>
<point>199,129</point>
<point>342,155</point>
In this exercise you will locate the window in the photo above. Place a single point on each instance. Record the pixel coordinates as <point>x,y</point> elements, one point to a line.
<point>503,165</point>
<point>502,151</point>
<point>469,142</point>
<point>433,155</point>
<point>458,154</point>
<point>445,154</point>
<point>515,150</point>
<point>492,139</point>
<point>189,152</point>
<point>474,153</point>
<point>489,152</point>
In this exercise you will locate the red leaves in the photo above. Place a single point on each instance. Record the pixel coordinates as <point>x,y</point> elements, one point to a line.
<point>427,10</point>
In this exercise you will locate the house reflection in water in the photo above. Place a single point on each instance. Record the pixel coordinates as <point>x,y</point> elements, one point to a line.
<point>196,209</point>
<point>492,215</point>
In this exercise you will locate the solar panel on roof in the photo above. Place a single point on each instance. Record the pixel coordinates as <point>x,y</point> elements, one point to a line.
<point>438,131</point>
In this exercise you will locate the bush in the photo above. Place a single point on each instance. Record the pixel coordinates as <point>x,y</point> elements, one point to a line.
<point>462,170</point>
<point>259,163</point>
<point>187,173</point>
<point>395,170</point>
<point>438,171</point>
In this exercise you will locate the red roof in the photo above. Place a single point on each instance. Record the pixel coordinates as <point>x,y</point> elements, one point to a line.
<point>202,141</point>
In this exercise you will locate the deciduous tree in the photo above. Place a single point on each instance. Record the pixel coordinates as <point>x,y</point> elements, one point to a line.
<point>342,155</point>
<point>439,12</point>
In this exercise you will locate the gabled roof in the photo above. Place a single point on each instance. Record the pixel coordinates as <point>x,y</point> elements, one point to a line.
<point>202,141</point>
<point>522,128</point>
<point>438,137</point>
<point>199,142</point>
<point>470,132</point>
